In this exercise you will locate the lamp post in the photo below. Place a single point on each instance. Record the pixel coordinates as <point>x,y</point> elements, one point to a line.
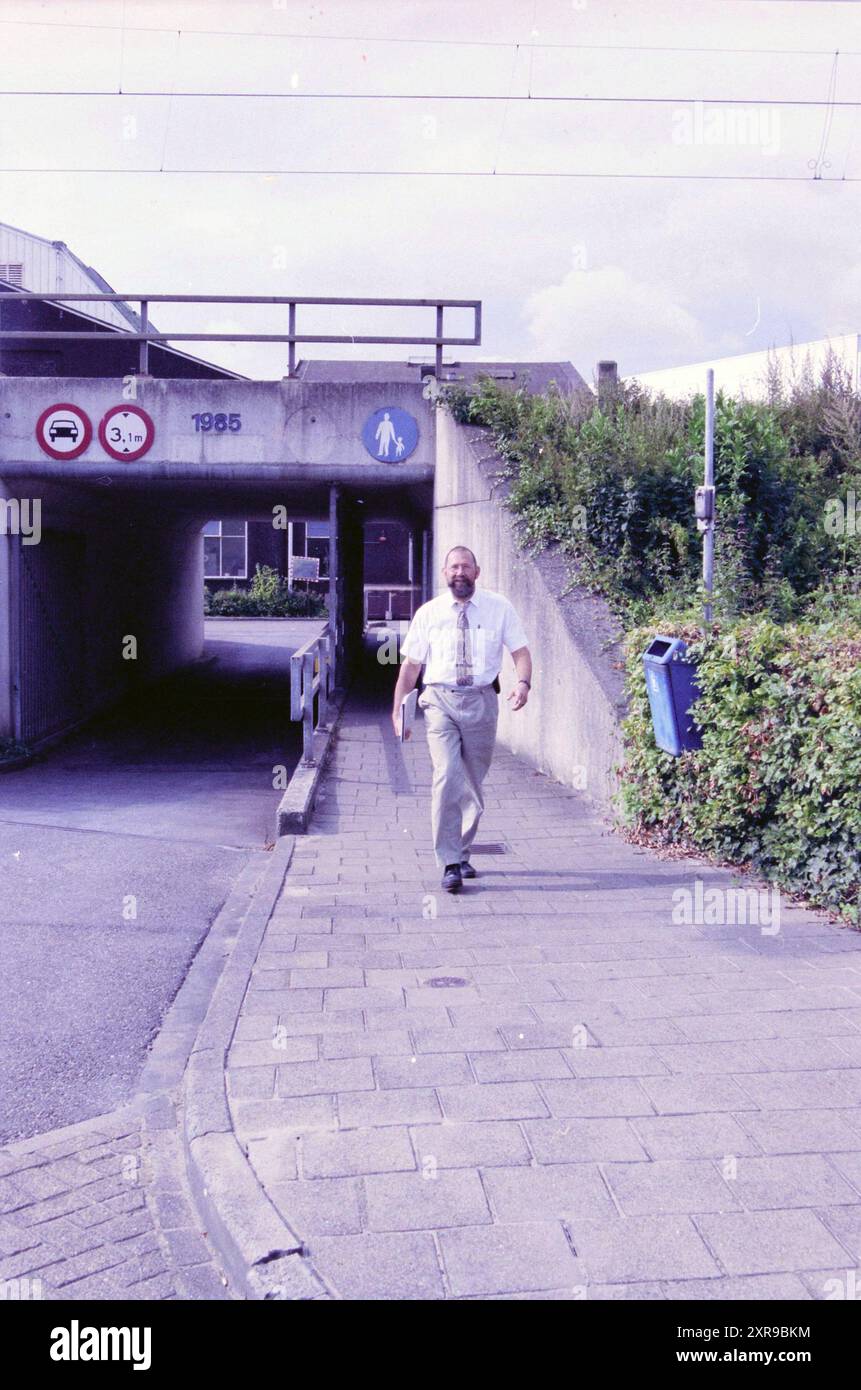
<point>704,499</point>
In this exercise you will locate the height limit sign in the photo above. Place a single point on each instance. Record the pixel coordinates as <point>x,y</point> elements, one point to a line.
<point>126,432</point>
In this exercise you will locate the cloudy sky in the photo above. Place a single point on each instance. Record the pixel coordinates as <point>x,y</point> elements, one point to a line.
<point>704,206</point>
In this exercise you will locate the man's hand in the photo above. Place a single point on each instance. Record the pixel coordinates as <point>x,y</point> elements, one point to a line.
<point>519,695</point>
<point>396,725</point>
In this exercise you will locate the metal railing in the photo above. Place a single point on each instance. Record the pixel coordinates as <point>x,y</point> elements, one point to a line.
<point>437,341</point>
<point>311,673</point>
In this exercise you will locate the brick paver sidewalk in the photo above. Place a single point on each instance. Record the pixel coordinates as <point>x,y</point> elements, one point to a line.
<point>545,1086</point>
<point>100,1210</point>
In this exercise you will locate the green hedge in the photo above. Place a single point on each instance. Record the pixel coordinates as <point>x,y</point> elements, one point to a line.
<point>777,782</point>
<point>268,596</point>
<point>614,485</point>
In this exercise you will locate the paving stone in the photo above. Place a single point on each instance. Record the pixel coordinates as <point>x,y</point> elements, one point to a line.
<point>770,1242</point>
<point>509,1259</point>
<point>693,1136</point>
<point>323,1078</point>
<point>380,1267</point>
<point>635,1248</point>
<point>272,1051</point>
<point>614,1061</point>
<point>688,1095</point>
<point>503,1100</point>
<point>798,1180</point>
<point>802,1090</point>
<point>273,1156</point>
<point>374,1042</point>
<point>324,1206</point>
<point>548,1193</point>
<point>849,1164</point>
<point>760,1288</point>
<point>426,1200</point>
<point>670,1185</point>
<point>596,1096</point>
<point>718,1058</point>
<point>488,1143</point>
<point>256,1117</point>
<point>187,1247</point>
<point>251,1083</point>
<point>357,1151</point>
<point>332,977</point>
<point>534,1064</point>
<point>817,1131</point>
<point>357,1109</point>
<point>583,1141</point>
<point>461,1039</point>
<point>845,1223</point>
<point>428,1069</point>
<point>173,1210</point>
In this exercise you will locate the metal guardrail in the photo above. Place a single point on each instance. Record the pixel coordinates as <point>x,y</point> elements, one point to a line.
<point>438,340</point>
<point>311,672</point>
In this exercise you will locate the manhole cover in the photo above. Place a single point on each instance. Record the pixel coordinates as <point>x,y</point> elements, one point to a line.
<point>446,982</point>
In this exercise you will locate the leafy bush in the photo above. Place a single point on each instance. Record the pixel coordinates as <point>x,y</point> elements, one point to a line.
<point>613,485</point>
<point>777,782</point>
<point>269,596</point>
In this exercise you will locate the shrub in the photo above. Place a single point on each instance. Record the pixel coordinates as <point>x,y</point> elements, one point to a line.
<point>613,486</point>
<point>777,782</point>
<point>268,596</point>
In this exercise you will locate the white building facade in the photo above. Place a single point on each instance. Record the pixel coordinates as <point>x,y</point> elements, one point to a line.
<point>749,373</point>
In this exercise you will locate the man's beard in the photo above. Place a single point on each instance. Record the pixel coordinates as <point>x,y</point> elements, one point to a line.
<point>462,588</point>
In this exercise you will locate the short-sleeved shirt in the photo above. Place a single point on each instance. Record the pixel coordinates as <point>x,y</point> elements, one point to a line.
<point>432,636</point>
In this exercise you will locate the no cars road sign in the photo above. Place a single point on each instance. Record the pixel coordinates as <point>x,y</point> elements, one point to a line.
<point>63,431</point>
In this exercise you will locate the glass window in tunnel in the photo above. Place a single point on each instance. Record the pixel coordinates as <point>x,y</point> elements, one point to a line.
<point>320,549</point>
<point>225,549</point>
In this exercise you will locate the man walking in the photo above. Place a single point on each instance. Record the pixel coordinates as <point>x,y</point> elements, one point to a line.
<point>459,635</point>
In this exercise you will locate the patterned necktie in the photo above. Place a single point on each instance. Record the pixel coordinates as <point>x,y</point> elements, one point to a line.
<point>464,650</point>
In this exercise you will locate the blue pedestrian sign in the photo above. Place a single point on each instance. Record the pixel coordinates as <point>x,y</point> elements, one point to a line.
<point>390,434</point>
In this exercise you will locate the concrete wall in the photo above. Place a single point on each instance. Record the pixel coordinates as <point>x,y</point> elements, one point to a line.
<point>570,725</point>
<point>5,633</point>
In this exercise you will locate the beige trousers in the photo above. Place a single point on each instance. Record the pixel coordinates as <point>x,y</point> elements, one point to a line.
<point>461,733</point>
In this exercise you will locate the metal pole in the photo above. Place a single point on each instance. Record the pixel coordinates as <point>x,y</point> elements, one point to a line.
<point>143,355</point>
<point>334,586</point>
<point>709,533</point>
<point>291,350</point>
<point>308,708</point>
<point>438,357</point>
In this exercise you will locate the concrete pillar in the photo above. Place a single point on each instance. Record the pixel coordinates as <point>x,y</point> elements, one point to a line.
<point>607,379</point>
<point>8,598</point>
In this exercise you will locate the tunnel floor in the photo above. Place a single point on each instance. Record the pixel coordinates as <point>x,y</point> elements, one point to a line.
<point>160,803</point>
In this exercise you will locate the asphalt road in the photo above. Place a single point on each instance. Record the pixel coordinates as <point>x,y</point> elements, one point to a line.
<point>117,850</point>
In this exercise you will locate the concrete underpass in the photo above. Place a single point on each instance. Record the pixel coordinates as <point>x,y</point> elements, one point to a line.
<point>158,734</point>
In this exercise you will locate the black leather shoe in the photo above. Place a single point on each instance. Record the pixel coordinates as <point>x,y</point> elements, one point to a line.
<point>466,869</point>
<point>452,880</point>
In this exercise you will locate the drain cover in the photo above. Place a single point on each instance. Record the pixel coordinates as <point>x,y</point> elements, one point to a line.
<point>446,982</point>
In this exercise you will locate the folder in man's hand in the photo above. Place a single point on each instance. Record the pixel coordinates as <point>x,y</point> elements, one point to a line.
<point>408,713</point>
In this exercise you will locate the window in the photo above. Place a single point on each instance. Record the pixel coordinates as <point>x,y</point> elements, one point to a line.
<point>312,538</point>
<point>225,550</point>
<point>13,273</point>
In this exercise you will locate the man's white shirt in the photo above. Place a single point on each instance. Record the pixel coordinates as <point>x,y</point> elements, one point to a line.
<point>433,633</point>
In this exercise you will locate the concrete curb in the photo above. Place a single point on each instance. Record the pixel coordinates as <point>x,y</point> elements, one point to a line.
<point>262,1256</point>
<point>297,804</point>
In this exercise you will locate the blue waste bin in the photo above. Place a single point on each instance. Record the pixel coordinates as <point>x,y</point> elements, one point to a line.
<point>671,681</point>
